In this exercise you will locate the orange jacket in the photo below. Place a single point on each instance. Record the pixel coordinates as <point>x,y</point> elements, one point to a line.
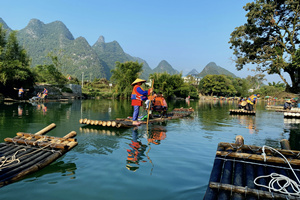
<point>138,95</point>
<point>160,101</point>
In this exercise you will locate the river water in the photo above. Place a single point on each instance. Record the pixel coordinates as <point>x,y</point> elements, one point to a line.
<point>174,162</point>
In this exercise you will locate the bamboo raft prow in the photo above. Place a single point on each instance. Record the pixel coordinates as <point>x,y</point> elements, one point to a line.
<point>238,168</point>
<point>34,151</point>
<point>241,112</point>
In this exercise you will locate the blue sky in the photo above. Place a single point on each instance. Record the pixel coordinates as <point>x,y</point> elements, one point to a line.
<point>187,34</point>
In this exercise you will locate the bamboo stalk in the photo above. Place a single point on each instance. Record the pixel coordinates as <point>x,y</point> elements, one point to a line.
<point>256,157</point>
<point>104,123</point>
<point>113,123</point>
<point>84,121</point>
<point>46,129</point>
<point>92,122</point>
<point>96,122</point>
<point>81,121</point>
<point>108,123</point>
<point>248,191</point>
<point>70,135</point>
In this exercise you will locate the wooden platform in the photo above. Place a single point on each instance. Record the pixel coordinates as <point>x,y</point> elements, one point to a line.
<point>238,171</point>
<point>27,153</point>
<point>241,112</point>
<point>127,123</point>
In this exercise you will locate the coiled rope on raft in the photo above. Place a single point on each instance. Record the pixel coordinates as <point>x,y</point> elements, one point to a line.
<point>277,179</point>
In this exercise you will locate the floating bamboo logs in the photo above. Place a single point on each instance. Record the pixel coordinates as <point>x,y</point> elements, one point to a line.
<point>241,112</point>
<point>291,114</point>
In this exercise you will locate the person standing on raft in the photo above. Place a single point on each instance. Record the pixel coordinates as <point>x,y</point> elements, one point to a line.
<point>138,95</point>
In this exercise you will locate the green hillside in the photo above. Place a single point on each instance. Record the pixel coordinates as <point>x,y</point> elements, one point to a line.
<point>164,66</point>
<point>212,68</point>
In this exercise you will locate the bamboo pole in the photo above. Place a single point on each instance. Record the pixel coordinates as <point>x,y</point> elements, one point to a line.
<point>70,135</point>
<point>247,191</point>
<point>113,123</point>
<point>81,121</point>
<point>84,121</point>
<point>285,144</point>
<point>46,129</point>
<point>108,123</point>
<point>104,123</point>
<point>256,157</point>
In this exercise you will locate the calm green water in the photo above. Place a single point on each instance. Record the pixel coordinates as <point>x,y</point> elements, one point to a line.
<point>174,163</point>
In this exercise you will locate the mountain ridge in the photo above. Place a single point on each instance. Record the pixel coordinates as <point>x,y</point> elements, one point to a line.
<point>78,56</point>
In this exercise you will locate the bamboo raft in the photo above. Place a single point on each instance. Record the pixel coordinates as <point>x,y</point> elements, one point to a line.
<point>27,153</point>
<point>238,171</point>
<point>291,114</point>
<point>275,108</point>
<point>127,123</point>
<point>241,112</point>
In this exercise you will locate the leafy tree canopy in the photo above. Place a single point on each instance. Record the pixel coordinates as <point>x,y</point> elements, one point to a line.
<point>270,39</point>
<point>123,75</point>
<point>14,65</point>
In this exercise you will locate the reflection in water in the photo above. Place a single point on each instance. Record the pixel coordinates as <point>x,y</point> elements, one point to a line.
<point>135,152</point>
<point>67,169</point>
<point>248,121</point>
<point>101,130</point>
<point>157,133</point>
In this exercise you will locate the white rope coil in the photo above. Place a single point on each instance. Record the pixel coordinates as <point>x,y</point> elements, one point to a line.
<point>279,180</point>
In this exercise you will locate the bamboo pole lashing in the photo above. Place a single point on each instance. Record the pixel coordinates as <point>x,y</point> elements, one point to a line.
<point>34,143</point>
<point>68,137</point>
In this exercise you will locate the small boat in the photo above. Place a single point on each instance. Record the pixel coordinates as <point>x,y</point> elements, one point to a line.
<point>27,153</point>
<point>127,123</point>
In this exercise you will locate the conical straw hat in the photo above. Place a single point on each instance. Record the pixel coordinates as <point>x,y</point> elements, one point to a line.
<point>138,80</point>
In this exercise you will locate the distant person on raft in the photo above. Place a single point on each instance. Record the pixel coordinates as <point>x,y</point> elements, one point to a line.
<point>138,95</point>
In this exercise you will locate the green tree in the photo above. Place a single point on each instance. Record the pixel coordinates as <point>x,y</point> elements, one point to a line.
<point>270,39</point>
<point>49,74</point>
<point>172,85</point>
<point>217,85</point>
<point>123,75</point>
<point>256,81</point>
<point>14,65</point>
